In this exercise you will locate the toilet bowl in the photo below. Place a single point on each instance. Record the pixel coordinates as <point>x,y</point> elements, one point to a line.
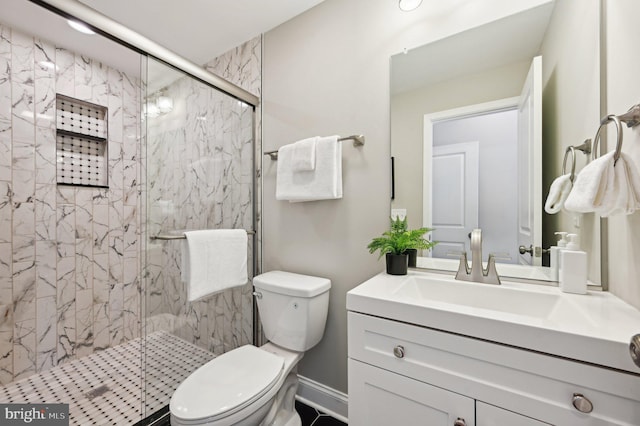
<point>257,386</point>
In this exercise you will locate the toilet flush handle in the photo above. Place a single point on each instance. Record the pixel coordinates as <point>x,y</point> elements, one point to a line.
<point>257,294</point>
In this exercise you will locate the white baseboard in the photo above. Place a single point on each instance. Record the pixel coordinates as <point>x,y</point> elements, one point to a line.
<point>323,398</point>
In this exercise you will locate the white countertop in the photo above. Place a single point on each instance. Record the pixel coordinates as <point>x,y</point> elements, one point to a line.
<point>595,328</point>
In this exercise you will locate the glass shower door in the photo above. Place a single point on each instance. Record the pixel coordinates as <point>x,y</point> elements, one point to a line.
<point>199,162</point>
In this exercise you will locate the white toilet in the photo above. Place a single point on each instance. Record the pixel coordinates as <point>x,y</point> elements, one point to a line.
<point>257,386</point>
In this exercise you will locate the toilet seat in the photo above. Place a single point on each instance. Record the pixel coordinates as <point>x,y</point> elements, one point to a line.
<point>226,384</point>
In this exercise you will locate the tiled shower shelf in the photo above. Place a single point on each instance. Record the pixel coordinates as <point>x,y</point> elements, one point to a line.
<point>81,142</point>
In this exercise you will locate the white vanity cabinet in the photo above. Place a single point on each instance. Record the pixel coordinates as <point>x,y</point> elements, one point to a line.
<point>404,374</point>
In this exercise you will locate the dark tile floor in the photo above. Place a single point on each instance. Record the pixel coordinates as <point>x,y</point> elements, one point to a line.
<point>312,417</point>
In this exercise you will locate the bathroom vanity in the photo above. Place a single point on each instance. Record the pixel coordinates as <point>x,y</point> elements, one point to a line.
<point>426,349</point>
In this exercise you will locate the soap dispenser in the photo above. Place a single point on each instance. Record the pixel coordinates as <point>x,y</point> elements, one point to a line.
<point>554,255</point>
<point>573,267</point>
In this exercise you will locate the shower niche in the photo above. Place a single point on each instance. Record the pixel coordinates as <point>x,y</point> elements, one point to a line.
<point>81,143</point>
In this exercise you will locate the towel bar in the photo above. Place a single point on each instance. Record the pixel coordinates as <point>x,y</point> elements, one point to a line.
<point>167,237</point>
<point>358,140</point>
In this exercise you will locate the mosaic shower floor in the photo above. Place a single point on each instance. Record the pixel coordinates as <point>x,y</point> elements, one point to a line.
<point>106,388</point>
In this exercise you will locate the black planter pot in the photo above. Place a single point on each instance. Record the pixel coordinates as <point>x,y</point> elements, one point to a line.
<point>413,257</point>
<point>397,264</point>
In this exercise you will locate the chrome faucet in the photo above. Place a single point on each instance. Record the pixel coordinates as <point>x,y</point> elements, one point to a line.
<point>476,272</point>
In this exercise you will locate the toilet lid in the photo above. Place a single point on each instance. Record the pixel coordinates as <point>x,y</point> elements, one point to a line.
<point>226,384</point>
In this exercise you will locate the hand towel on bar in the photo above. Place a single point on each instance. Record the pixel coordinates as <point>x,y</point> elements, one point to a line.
<point>216,261</point>
<point>304,154</point>
<point>558,193</point>
<point>605,188</point>
<point>323,183</point>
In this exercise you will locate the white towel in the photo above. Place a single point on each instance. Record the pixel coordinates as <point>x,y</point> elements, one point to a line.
<point>304,154</point>
<point>606,189</point>
<point>215,260</point>
<point>323,183</point>
<point>558,193</point>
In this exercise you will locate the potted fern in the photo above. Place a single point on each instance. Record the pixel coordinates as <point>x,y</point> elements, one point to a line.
<point>399,244</point>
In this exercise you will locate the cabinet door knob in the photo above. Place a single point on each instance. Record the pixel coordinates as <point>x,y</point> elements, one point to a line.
<point>398,351</point>
<point>634,349</point>
<point>460,422</point>
<point>581,403</point>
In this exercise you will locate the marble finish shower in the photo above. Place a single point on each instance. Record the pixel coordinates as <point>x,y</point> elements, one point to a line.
<point>81,279</point>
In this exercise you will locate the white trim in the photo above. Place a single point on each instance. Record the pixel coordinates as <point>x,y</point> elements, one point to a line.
<point>450,114</point>
<point>323,398</point>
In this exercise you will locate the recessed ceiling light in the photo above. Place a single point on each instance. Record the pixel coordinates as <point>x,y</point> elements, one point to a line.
<point>80,27</point>
<point>409,5</point>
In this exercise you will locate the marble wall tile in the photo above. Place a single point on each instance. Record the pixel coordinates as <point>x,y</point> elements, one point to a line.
<point>100,229</point>
<point>101,289</point>
<point>46,333</point>
<point>24,218</point>
<point>99,83</point>
<point>65,72</point>
<point>22,86</point>
<point>5,73</point>
<point>23,169</point>
<point>6,273</point>
<point>114,103</point>
<point>45,212</point>
<point>83,72</point>
<point>24,291</point>
<point>46,269</point>
<point>66,230</point>
<point>45,77</point>
<point>6,343</point>
<point>66,310</point>
<point>24,348</point>
<point>84,264</point>
<point>84,322</point>
<point>45,156</point>
<point>5,150</point>
<point>131,296</point>
<point>6,211</point>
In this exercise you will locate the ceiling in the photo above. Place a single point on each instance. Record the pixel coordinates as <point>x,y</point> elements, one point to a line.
<point>511,39</point>
<point>198,30</point>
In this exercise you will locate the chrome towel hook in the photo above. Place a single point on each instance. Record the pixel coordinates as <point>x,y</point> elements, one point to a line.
<point>606,120</point>
<point>584,147</point>
<point>571,150</point>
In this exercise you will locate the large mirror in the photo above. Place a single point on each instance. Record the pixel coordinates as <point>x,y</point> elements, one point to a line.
<point>480,121</point>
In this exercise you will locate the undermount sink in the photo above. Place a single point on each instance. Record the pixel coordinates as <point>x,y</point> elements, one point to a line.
<point>594,328</point>
<point>481,296</point>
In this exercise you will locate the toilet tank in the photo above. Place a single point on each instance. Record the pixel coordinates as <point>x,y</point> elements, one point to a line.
<point>293,308</point>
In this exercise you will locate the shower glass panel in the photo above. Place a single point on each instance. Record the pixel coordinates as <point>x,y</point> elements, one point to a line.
<point>199,160</point>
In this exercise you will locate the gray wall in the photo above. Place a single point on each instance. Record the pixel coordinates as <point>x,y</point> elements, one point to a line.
<point>623,68</point>
<point>571,110</point>
<point>327,72</point>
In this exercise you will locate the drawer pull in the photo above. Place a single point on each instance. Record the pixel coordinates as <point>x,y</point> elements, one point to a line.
<point>634,349</point>
<point>459,422</point>
<point>581,403</point>
<point>398,351</point>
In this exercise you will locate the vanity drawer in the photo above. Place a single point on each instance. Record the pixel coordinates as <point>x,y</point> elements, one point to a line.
<point>533,384</point>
